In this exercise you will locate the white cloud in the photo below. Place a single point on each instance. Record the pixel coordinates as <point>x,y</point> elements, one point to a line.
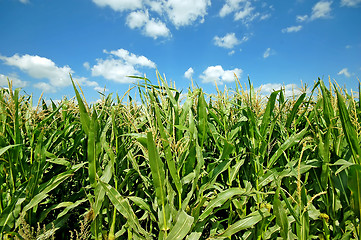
<point>86,65</point>
<point>189,73</point>
<point>321,9</point>
<point>185,12</point>
<point>126,64</point>
<point>15,80</point>
<point>243,10</point>
<point>101,89</point>
<point>43,68</point>
<point>228,41</point>
<point>137,19</point>
<point>40,68</point>
<point>24,1</point>
<point>179,12</point>
<point>131,58</point>
<point>121,5</point>
<point>301,18</point>
<point>289,89</point>
<point>350,3</point>
<point>231,53</point>
<point>267,53</point>
<point>265,16</point>
<point>348,46</point>
<point>344,72</point>
<point>217,74</point>
<point>150,27</point>
<point>292,29</point>
<point>155,29</point>
<point>155,6</point>
<point>246,11</point>
<point>45,87</point>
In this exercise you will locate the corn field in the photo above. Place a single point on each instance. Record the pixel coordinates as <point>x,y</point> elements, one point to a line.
<point>172,165</point>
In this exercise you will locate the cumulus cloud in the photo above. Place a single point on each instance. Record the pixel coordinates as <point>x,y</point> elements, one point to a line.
<point>42,68</point>
<point>321,9</point>
<point>292,29</point>
<point>155,29</point>
<point>185,12</point>
<point>289,89</point>
<point>150,27</point>
<point>125,64</point>
<point>122,5</point>
<point>219,75</point>
<point>141,16</point>
<point>344,72</point>
<point>15,80</point>
<point>350,3</point>
<point>189,73</point>
<point>228,41</point>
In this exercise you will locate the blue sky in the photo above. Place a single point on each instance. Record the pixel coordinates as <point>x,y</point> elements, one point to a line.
<point>101,42</point>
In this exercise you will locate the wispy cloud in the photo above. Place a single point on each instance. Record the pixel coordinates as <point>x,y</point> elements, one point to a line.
<point>268,53</point>
<point>292,29</point>
<point>350,3</point>
<point>301,18</point>
<point>123,5</point>
<point>216,74</point>
<point>243,10</point>
<point>344,72</point>
<point>231,53</point>
<point>321,9</point>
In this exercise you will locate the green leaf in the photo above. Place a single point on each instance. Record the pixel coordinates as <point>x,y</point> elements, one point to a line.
<point>281,216</point>
<point>92,149</point>
<point>290,142</point>
<point>4,149</point>
<point>84,116</point>
<point>354,184</point>
<point>156,168</point>
<point>221,198</point>
<point>202,118</point>
<point>181,227</point>
<point>344,165</point>
<point>51,185</point>
<point>294,110</point>
<point>249,221</point>
<point>267,114</point>
<point>349,129</point>
<point>123,207</point>
<point>166,148</point>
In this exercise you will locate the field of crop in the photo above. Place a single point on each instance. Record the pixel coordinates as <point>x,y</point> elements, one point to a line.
<point>173,165</point>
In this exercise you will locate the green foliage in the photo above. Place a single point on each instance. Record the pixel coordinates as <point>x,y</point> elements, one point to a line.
<point>235,165</point>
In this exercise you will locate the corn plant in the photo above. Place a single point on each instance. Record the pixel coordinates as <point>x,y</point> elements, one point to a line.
<point>172,165</point>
